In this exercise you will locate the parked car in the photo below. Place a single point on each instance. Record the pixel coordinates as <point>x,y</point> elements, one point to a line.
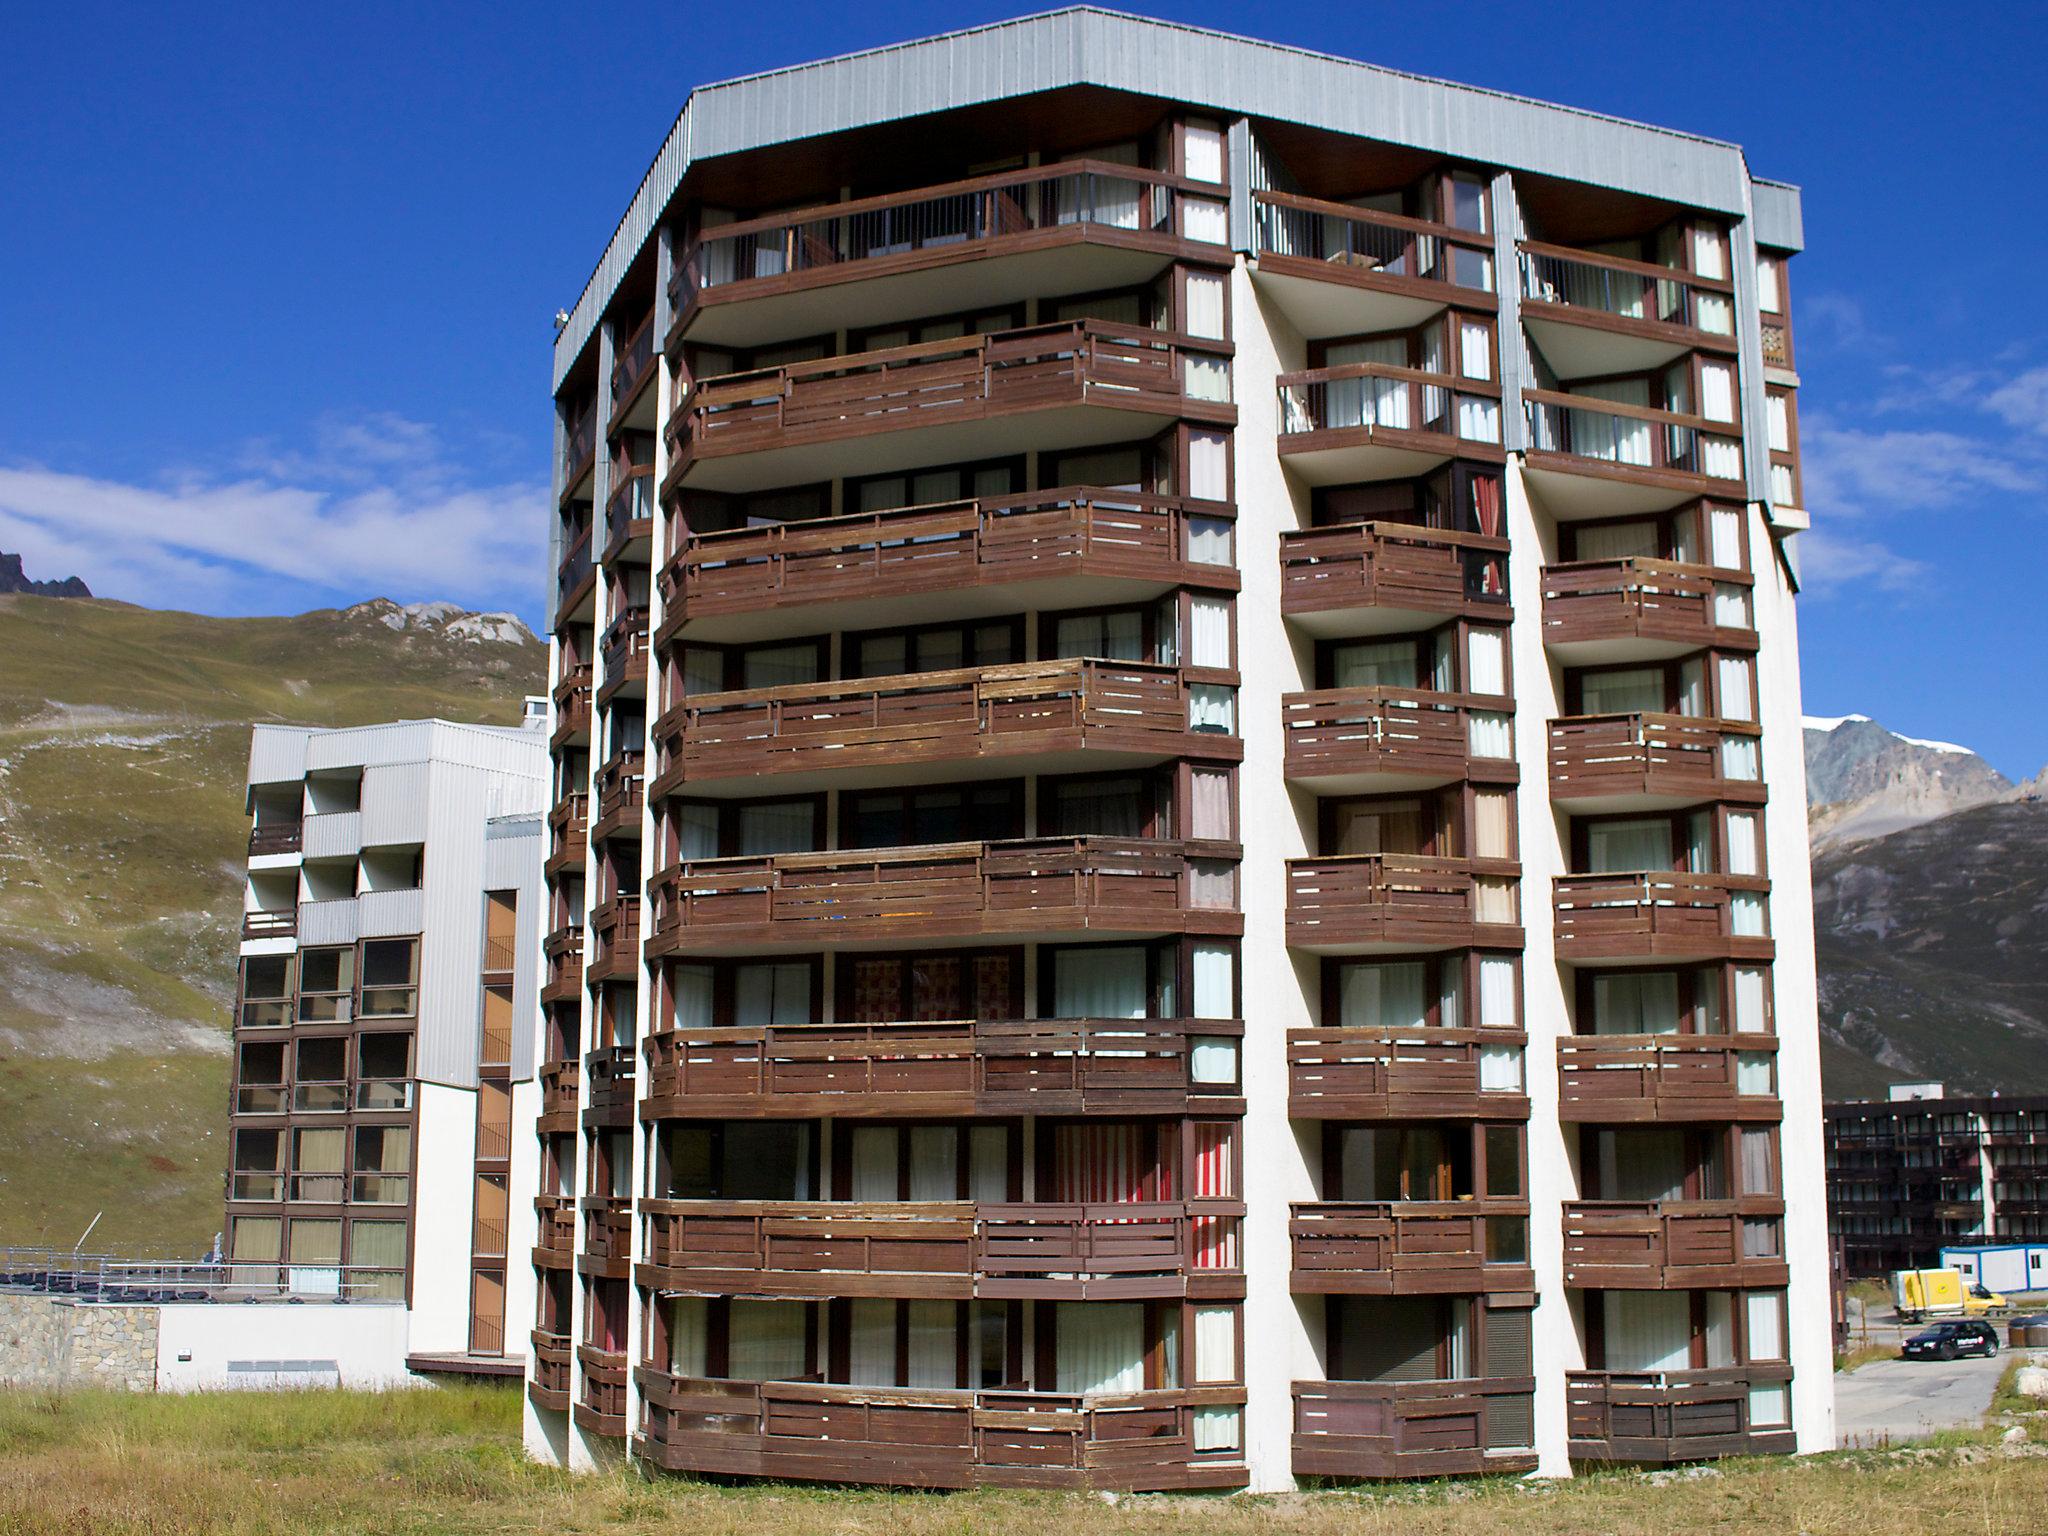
<point>1945,1341</point>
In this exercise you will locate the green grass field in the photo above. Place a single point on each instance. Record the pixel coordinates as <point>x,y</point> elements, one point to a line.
<point>447,1460</point>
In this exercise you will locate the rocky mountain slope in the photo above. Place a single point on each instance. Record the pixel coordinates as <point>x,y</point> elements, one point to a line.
<point>14,579</point>
<point>123,745</point>
<point>1863,781</point>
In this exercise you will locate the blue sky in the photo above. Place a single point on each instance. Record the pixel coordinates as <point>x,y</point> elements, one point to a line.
<point>276,285</point>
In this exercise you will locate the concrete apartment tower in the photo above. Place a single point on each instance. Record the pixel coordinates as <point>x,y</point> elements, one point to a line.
<point>1178,847</point>
<point>384,1038</point>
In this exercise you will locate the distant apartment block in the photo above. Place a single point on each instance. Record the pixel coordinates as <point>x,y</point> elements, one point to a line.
<point>1177,850</point>
<point>1915,1173</point>
<point>384,1045</point>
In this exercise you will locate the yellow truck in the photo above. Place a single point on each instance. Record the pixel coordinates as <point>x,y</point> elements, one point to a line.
<point>1922,1293</point>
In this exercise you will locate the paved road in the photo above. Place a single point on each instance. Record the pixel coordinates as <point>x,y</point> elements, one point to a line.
<point>1895,1400</point>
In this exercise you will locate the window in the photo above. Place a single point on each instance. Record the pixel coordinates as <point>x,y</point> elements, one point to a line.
<point>376,1257</point>
<point>1202,149</point>
<point>326,985</point>
<point>390,977</point>
<point>945,814</point>
<point>739,1160</point>
<point>938,648</point>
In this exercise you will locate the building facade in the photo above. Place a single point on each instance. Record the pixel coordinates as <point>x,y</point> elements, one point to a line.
<point>1908,1177</point>
<point>1178,845</point>
<point>384,1042</point>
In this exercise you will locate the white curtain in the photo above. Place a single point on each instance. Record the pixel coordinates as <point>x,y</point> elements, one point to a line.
<point>1212,1059</point>
<point>1490,822</point>
<point>1203,292</point>
<point>1618,541</point>
<point>1636,1003</point>
<point>1215,1345</point>
<point>1624,847</point>
<point>1478,419</point>
<point>1493,900</point>
<point>934,1162</point>
<point>1212,883</point>
<point>1212,707</point>
<point>1618,439</point>
<point>1731,605</point>
<point>1099,983</point>
<point>1486,666</point>
<point>1212,541</point>
<point>871,1342</point>
<point>1108,636</point>
<point>1475,350</point>
<point>1205,378</point>
<point>1359,402</point>
<point>1218,1427</point>
<point>1099,1346</point>
<point>988,1163</point>
<point>1746,915</point>
<point>1375,664</point>
<point>1753,1073</point>
<point>1778,413</point>
<point>1491,735</point>
<point>1209,804</point>
<point>1202,146</point>
<point>1707,260</point>
<point>1496,992</point>
<point>772,994</point>
<point>1638,690</point>
<point>767,1340</point>
<point>1500,1069</point>
<point>1205,221</point>
<point>1717,391</point>
<point>1744,856</point>
<point>1739,759</point>
<point>692,992</point>
<point>934,1344</point>
<point>1781,486</point>
<point>1715,314</point>
<point>1383,995</point>
<point>874,1162</point>
<point>1208,466</point>
<point>1759,1177</point>
<point>1750,1015</point>
<point>1732,682</point>
<point>1770,294</point>
<point>1764,1316</point>
<point>688,1335</point>
<point>1648,1330</point>
<point>1725,537</point>
<point>775,828</point>
<point>1215,989</point>
<point>1720,1330</point>
<point>1209,632</point>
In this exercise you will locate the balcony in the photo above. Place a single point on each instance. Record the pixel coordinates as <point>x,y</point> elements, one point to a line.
<point>1414,1429</point>
<point>610,1100</point>
<point>564,950</point>
<point>1612,763</point>
<point>926,727</point>
<point>924,1438</point>
<point>1669,1416</point>
<point>944,1249</point>
<point>963,1067</point>
<point>572,711</point>
<point>1383,578</point>
<point>579,451</point>
<point>1360,903</point>
<point>1377,421</point>
<point>560,1084</point>
<point>576,579</point>
<point>621,794</point>
<point>615,931</point>
<point>1071,385</point>
<point>1625,1079</point>
<point>1377,1073</point>
<point>623,651</point>
<point>1080,226</point>
<point>607,1237</point>
<point>602,1408</point>
<point>1660,915</point>
<point>1338,270</point>
<point>1599,612</point>
<point>553,1376</point>
<point>1037,887</point>
<point>1602,458</point>
<point>1596,315</point>
<point>554,1244</point>
<point>1410,1247</point>
<point>1387,740</point>
<point>275,837</point>
<point>282,924</point>
<point>1669,1245</point>
<point>569,833</point>
<point>629,514</point>
<point>959,560</point>
<point>633,367</point>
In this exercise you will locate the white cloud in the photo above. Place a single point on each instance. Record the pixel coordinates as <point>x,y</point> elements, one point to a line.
<point>372,506</point>
<point>2022,401</point>
<point>1832,562</point>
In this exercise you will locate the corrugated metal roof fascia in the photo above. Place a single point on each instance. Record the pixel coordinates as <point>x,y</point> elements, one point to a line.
<point>1235,75</point>
<point>1780,215</point>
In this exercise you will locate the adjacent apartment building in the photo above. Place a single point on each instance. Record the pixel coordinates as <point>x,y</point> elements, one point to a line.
<point>1177,850</point>
<point>1910,1176</point>
<point>384,1043</point>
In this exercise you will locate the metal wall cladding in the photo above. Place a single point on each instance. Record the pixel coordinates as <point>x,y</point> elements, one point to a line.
<point>395,804</point>
<point>333,835</point>
<point>514,851</point>
<point>1235,77</point>
<point>277,754</point>
<point>1780,219</point>
<point>327,922</point>
<point>389,914</point>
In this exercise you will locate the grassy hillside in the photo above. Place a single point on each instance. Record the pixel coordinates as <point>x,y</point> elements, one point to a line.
<point>124,739</point>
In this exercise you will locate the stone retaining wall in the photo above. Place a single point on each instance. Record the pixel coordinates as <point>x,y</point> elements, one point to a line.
<point>49,1342</point>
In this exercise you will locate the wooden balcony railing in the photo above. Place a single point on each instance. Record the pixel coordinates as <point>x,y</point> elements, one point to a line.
<point>1382,399</point>
<point>1109,884</point>
<point>1392,565</point>
<point>1644,757</point>
<point>944,1248</point>
<point>1635,439</point>
<point>1410,1247</point>
<point>1411,733</point>
<point>634,361</point>
<point>579,444</point>
<point>560,1084</point>
<point>925,1438</point>
<point>276,837</point>
<point>1414,1429</point>
<point>1638,297</point>
<point>564,981</point>
<point>1661,914</point>
<point>1616,1079</point>
<point>1371,899</point>
<point>1067,533</point>
<point>629,513</point>
<point>1667,1416</point>
<point>572,716</point>
<point>601,1408</point>
<point>621,792</point>
<point>942,383</point>
<point>1637,599</point>
<point>961,1067</point>
<point>554,1370</point>
<point>607,1229</point>
<point>555,1227</point>
<point>610,1068</point>
<point>1013,211</point>
<point>271,925</point>
<point>578,568</point>
<point>1125,710</point>
<point>1379,1073</point>
<point>1309,237</point>
<point>1672,1244</point>
<point>615,930</point>
<point>624,645</point>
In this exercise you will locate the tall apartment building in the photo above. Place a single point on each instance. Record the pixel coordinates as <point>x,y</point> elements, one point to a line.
<point>385,1029</point>
<point>1179,831</point>
<point>1908,1177</point>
